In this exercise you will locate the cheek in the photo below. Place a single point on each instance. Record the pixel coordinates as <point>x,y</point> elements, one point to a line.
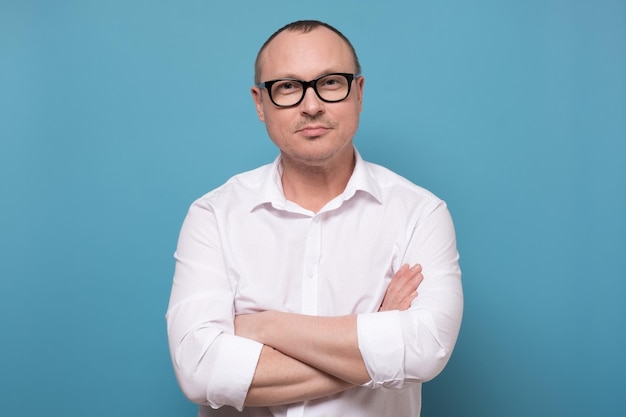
<point>276,125</point>
<point>350,121</point>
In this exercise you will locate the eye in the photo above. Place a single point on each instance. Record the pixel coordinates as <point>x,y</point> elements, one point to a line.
<point>286,87</point>
<point>332,82</point>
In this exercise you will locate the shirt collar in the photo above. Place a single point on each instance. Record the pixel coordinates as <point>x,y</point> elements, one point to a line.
<point>362,179</point>
<point>271,189</point>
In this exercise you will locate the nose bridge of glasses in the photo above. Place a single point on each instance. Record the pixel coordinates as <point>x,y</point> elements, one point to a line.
<point>313,85</point>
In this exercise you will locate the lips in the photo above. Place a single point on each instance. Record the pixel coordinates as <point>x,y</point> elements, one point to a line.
<point>313,130</point>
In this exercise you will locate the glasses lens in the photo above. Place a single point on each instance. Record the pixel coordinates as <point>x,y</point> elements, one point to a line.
<point>286,92</point>
<point>333,87</point>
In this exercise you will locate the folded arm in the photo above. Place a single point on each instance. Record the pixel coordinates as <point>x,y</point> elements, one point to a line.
<point>314,356</point>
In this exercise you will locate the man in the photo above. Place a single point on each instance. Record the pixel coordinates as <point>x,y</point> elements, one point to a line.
<point>293,294</point>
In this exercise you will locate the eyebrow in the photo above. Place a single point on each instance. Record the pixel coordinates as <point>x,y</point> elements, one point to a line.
<point>320,74</point>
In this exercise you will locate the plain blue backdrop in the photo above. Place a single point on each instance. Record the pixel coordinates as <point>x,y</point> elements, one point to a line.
<point>115,115</point>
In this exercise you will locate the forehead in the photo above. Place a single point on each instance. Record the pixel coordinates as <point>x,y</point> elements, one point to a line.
<point>305,55</point>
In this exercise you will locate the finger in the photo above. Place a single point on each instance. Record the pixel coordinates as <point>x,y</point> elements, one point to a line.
<point>404,269</point>
<point>406,302</point>
<point>409,300</point>
<point>402,278</point>
<point>416,269</point>
<point>406,274</point>
<point>418,279</point>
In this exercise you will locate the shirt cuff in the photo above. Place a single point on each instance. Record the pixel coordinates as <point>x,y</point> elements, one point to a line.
<point>381,343</point>
<point>231,378</point>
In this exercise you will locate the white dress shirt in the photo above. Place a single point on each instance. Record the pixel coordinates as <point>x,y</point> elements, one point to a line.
<point>244,248</point>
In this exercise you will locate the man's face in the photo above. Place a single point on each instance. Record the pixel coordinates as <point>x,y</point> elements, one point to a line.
<point>314,132</point>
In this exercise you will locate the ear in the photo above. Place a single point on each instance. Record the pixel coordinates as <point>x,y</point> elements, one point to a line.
<point>257,96</point>
<point>360,82</point>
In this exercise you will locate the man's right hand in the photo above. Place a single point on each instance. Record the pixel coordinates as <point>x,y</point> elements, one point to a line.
<point>402,289</point>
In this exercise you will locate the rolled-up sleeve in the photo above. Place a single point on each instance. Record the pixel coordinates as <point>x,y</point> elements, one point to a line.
<point>212,365</point>
<point>401,347</point>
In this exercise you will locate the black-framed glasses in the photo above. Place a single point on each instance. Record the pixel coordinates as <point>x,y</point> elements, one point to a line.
<point>289,92</point>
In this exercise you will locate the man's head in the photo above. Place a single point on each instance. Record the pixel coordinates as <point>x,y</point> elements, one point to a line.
<point>303,26</point>
<point>318,129</point>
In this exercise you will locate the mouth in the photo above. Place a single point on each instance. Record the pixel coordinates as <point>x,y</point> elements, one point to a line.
<point>313,130</point>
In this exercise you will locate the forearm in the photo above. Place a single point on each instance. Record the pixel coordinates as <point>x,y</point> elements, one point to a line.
<point>280,379</point>
<point>328,344</point>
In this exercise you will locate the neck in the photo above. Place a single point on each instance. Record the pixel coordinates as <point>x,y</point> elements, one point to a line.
<point>313,186</point>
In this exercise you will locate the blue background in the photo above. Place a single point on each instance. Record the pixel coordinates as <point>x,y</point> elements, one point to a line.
<point>115,115</point>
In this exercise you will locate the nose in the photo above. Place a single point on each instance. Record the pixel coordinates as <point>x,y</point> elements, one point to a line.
<point>311,104</point>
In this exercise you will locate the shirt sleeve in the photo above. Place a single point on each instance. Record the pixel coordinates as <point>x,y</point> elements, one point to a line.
<point>401,347</point>
<point>213,366</point>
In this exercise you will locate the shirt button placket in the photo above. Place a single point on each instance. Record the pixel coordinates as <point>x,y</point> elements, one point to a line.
<point>311,265</point>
